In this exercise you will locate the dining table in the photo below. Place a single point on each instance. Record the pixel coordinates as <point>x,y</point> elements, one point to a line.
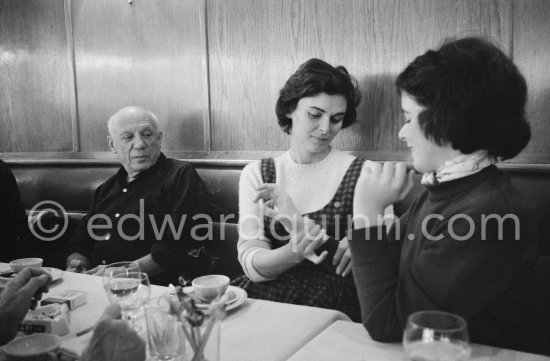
<point>350,341</point>
<point>256,330</point>
<point>261,330</point>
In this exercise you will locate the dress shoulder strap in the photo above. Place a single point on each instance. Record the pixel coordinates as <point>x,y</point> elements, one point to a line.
<point>268,170</point>
<point>347,186</point>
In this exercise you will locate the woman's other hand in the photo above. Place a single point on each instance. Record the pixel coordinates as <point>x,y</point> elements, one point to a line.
<point>342,258</point>
<point>305,242</point>
<point>378,186</point>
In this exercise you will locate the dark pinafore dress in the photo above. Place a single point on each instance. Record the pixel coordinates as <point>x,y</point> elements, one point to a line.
<point>309,284</point>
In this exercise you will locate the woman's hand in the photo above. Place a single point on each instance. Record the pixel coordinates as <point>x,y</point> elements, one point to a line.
<point>276,198</point>
<point>379,186</point>
<point>305,242</point>
<point>342,258</point>
<point>277,204</point>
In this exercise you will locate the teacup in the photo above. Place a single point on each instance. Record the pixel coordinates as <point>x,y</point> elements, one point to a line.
<point>19,264</point>
<point>37,347</point>
<point>210,287</point>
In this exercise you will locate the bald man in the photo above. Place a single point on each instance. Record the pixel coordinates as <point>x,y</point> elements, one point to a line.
<point>145,211</point>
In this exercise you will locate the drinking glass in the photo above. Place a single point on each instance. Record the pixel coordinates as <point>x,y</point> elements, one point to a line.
<point>131,290</point>
<point>118,268</point>
<point>436,336</point>
<point>164,334</point>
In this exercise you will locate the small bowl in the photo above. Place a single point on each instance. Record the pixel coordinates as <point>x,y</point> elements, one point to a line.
<point>43,346</point>
<point>19,265</point>
<point>210,287</point>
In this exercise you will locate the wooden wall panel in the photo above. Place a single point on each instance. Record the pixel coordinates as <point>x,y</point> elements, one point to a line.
<point>35,113</point>
<point>150,54</point>
<point>532,55</point>
<point>154,53</point>
<point>254,46</point>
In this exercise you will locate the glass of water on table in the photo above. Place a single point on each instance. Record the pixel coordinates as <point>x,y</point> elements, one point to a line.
<point>118,268</point>
<point>131,290</point>
<point>436,336</point>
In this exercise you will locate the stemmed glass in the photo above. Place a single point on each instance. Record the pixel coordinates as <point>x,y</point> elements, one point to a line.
<point>436,335</point>
<point>119,268</point>
<point>131,290</point>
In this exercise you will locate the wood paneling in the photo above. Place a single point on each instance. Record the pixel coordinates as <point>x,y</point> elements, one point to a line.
<point>532,55</point>
<point>214,85</point>
<point>254,46</point>
<point>34,77</point>
<point>150,54</point>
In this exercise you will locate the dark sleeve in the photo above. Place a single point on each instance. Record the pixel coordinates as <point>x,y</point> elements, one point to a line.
<point>461,277</point>
<point>376,278</point>
<point>82,242</point>
<point>186,196</point>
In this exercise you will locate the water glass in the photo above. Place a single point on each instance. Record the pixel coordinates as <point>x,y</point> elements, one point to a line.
<point>164,334</point>
<point>118,268</point>
<point>436,336</point>
<point>131,290</point>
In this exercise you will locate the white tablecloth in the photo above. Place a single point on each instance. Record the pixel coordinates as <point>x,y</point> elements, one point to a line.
<point>257,330</point>
<point>350,341</point>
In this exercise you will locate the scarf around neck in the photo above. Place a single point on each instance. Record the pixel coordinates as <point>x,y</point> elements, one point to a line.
<point>461,166</point>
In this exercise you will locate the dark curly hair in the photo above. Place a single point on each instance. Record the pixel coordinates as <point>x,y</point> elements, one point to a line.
<point>474,97</point>
<point>314,77</point>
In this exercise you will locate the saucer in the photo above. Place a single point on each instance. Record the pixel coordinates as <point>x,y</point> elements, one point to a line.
<point>55,273</point>
<point>235,297</point>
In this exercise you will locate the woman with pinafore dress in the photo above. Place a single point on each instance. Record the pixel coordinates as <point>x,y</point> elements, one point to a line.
<point>295,209</point>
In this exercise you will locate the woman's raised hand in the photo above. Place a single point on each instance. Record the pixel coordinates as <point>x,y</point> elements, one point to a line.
<point>276,203</point>
<point>276,199</point>
<point>380,185</point>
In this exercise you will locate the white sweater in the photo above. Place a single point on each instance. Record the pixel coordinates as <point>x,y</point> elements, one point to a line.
<point>311,186</point>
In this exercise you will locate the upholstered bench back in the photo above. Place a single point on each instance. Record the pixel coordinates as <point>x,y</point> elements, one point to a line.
<point>72,184</point>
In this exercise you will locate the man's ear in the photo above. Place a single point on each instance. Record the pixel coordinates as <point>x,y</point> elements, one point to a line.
<point>111,144</point>
<point>159,135</point>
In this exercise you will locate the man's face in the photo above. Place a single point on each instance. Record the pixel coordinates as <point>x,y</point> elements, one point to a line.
<point>135,140</point>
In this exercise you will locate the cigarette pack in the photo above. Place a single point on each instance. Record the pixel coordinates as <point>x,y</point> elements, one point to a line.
<point>47,319</point>
<point>73,298</point>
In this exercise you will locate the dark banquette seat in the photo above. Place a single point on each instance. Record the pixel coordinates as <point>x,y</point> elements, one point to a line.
<point>72,183</point>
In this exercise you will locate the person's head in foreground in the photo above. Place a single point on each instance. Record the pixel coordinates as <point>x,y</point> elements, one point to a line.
<point>135,137</point>
<point>465,98</point>
<point>317,101</point>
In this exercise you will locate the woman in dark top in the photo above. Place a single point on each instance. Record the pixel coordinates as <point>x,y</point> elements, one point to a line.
<point>466,245</point>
